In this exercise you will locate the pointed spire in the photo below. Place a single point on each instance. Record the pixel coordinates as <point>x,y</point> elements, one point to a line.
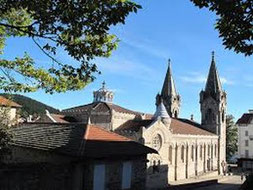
<point>169,88</point>
<point>161,112</point>
<point>213,84</point>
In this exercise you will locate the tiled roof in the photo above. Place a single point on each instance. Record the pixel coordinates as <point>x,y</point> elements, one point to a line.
<point>5,102</point>
<point>245,119</point>
<point>77,140</point>
<point>98,134</point>
<point>134,125</point>
<point>89,107</point>
<point>59,118</point>
<point>118,108</point>
<point>177,127</point>
<point>183,128</point>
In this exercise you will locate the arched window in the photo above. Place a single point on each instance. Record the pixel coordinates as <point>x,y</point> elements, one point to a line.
<point>192,153</point>
<point>175,114</point>
<point>170,154</point>
<point>182,153</point>
<point>210,116</point>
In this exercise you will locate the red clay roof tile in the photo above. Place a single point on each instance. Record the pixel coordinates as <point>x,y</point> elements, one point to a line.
<point>6,102</point>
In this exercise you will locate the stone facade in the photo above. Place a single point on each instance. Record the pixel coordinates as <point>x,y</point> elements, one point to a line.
<point>181,156</point>
<point>213,101</point>
<point>186,148</point>
<point>46,171</point>
<point>72,157</point>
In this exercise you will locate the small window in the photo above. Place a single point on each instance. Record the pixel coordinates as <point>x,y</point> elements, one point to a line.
<point>223,116</point>
<point>170,154</point>
<point>182,153</point>
<point>175,114</point>
<point>246,133</point>
<point>156,167</point>
<point>126,175</point>
<point>192,153</point>
<point>215,150</point>
<point>99,177</point>
<point>246,153</point>
<point>246,142</point>
<point>200,152</point>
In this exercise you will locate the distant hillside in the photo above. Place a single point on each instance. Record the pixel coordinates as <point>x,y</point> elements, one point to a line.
<point>29,105</point>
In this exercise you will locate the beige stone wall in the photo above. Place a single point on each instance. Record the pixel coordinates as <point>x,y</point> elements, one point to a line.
<point>33,169</point>
<point>119,118</point>
<point>173,167</point>
<point>8,115</point>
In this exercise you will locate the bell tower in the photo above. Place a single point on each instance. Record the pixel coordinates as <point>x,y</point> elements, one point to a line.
<point>213,103</point>
<point>103,95</point>
<point>169,95</point>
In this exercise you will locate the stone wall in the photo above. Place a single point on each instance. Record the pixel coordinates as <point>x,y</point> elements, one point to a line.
<point>28,169</point>
<point>35,177</point>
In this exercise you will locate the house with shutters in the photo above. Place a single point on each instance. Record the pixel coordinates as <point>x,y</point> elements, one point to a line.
<point>245,140</point>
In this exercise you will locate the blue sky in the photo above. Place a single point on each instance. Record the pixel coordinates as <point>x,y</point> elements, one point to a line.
<point>161,30</point>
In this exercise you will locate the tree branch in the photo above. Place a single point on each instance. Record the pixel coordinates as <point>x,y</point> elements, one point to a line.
<point>46,53</point>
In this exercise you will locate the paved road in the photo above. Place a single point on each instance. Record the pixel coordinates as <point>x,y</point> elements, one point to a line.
<point>227,183</point>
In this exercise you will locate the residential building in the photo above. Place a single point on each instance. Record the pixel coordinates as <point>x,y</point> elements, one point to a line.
<point>245,140</point>
<point>8,111</point>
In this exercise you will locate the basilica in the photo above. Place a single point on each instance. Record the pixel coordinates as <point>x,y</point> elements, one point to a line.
<point>186,148</point>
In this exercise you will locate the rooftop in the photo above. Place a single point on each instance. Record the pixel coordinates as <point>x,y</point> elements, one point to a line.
<point>6,102</point>
<point>178,126</point>
<point>79,140</point>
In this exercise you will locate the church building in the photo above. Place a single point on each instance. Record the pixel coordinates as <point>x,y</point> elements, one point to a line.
<point>186,148</point>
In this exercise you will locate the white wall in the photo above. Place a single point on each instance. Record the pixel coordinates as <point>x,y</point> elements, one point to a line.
<point>242,128</point>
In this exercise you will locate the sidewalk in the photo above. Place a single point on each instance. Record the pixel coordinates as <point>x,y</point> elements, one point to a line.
<point>210,176</point>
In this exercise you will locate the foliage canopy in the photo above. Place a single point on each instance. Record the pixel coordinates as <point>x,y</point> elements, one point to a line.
<point>5,135</point>
<point>234,23</point>
<point>80,27</point>
<point>231,137</point>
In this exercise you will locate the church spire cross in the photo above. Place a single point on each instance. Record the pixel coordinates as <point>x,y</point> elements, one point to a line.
<point>212,55</point>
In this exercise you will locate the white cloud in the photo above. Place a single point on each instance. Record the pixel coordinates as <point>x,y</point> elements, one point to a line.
<point>127,67</point>
<point>148,47</point>
<point>198,78</point>
<point>193,79</point>
<point>226,81</point>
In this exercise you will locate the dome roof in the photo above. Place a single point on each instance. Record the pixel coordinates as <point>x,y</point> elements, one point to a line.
<point>103,94</point>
